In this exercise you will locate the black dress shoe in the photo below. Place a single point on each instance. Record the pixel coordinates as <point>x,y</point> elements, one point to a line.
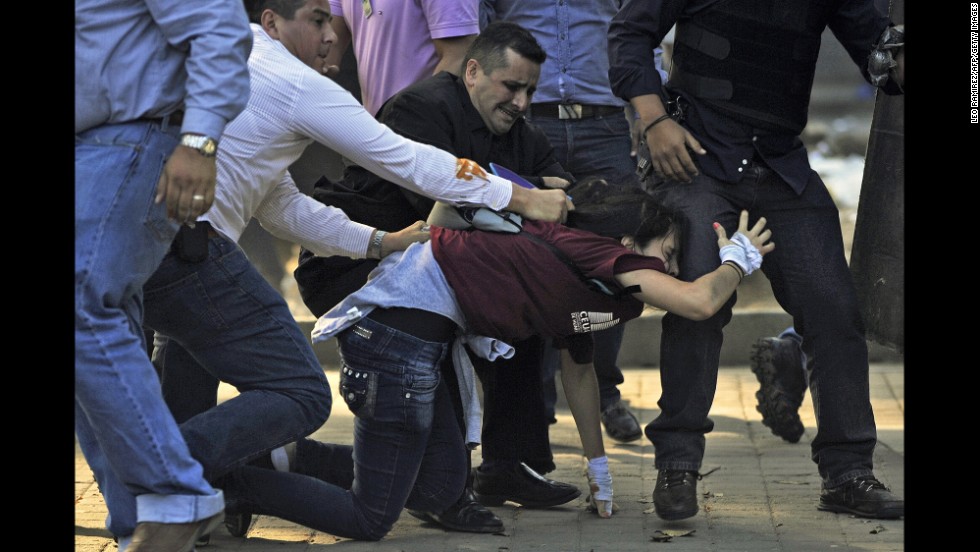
<point>778,365</point>
<point>465,515</point>
<point>675,495</point>
<point>863,496</point>
<point>520,484</point>
<point>237,520</point>
<point>238,524</point>
<point>621,424</point>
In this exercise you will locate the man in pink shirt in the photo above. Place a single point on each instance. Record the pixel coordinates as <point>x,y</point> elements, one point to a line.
<point>397,43</point>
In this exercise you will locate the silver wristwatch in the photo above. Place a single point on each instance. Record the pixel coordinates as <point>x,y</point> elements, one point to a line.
<point>205,145</point>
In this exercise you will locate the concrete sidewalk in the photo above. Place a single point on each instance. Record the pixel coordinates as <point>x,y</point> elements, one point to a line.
<point>760,492</point>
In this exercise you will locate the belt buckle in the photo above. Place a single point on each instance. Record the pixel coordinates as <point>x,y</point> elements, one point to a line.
<point>570,111</point>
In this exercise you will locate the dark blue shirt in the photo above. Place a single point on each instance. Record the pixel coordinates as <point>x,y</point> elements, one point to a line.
<point>732,145</point>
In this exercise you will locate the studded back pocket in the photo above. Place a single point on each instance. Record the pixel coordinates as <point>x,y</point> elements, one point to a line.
<point>360,391</point>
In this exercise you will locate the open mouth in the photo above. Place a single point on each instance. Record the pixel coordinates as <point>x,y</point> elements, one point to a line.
<point>510,113</point>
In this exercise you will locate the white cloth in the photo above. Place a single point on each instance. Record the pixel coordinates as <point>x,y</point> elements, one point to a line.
<point>484,347</point>
<point>742,252</point>
<point>289,107</point>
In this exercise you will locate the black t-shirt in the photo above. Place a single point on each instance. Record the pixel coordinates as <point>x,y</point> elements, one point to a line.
<point>438,111</point>
<point>435,111</point>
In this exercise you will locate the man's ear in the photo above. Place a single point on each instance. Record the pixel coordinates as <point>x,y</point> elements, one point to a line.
<point>472,67</point>
<point>268,20</point>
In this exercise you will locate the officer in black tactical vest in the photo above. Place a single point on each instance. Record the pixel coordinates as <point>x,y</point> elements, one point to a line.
<point>724,134</point>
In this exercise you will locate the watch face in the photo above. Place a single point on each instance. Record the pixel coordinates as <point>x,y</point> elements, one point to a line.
<point>206,146</point>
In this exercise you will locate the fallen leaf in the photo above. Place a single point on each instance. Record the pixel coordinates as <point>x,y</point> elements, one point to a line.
<point>877,530</point>
<point>666,535</point>
<point>648,511</point>
<point>789,482</point>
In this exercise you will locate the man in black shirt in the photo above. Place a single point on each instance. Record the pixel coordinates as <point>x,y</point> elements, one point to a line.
<point>742,104</point>
<point>477,116</point>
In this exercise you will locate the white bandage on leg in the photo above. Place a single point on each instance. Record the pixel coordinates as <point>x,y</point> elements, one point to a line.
<point>599,474</point>
<point>600,486</point>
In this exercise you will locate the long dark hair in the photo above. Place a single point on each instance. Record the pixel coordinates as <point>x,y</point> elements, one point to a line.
<point>622,208</point>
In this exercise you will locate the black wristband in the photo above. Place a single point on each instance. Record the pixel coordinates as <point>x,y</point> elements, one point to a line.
<point>659,119</point>
<point>738,269</point>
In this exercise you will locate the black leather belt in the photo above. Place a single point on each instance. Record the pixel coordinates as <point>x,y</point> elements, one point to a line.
<point>173,119</point>
<point>425,325</point>
<point>573,111</point>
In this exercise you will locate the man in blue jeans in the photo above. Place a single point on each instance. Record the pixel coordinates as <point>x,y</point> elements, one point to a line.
<point>141,137</point>
<point>589,127</point>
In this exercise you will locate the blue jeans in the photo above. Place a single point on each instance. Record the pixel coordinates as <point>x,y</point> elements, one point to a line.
<point>597,146</point>
<point>123,427</point>
<point>810,280</point>
<point>224,322</point>
<point>590,147</point>
<point>188,388</point>
<point>408,449</point>
<point>222,317</point>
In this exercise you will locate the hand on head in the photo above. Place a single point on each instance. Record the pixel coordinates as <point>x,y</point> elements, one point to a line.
<point>548,205</point>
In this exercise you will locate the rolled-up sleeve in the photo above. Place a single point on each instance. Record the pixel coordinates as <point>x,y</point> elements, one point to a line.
<point>218,39</point>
